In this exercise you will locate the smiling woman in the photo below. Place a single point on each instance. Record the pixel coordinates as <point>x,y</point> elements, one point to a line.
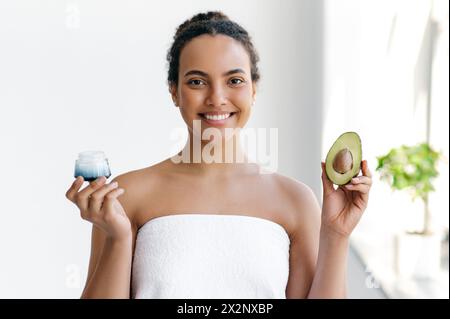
<point>221,229</point>
<point>213,74</point>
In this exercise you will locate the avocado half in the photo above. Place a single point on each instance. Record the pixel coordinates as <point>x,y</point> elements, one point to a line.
<point>343,160</point>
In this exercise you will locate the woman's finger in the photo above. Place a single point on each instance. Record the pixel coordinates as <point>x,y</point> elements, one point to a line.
<point>82,197</point>
<point>365,169</point>
<point>327,185</point>
<point>72,191</point>
<point>108,203</point>
<point>362,188</point>
<point>362,180</point>
<point>96,198</point>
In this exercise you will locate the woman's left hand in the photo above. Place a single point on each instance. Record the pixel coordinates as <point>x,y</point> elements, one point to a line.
<point>343,207</point>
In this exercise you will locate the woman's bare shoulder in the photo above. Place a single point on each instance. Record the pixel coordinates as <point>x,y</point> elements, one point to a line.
<point>136,177</point>
<point>301,199</point>
<point>294,188</point>
<point>138,184</point>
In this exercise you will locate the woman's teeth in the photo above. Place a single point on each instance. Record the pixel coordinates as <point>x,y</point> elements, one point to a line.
<point>217,117</point>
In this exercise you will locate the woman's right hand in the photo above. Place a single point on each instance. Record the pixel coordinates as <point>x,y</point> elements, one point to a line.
<point>98,204</point>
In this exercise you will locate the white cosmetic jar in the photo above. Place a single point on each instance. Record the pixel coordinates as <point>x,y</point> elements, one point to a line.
<point>91,165</point>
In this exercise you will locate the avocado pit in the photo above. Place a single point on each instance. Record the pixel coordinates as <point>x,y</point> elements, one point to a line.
<point>343,161</point>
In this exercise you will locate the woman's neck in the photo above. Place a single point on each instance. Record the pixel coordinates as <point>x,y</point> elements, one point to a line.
<point>211,158</point>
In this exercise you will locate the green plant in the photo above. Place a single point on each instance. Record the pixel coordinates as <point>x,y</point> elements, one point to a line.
<point>411,168</point>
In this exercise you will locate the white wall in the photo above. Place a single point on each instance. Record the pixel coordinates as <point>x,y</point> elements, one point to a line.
<point>79,75</point>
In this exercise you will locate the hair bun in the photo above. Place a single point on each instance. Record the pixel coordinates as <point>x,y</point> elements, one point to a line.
<point>208,16</point>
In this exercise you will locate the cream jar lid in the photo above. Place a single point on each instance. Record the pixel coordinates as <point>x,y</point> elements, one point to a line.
<point>91,157</point>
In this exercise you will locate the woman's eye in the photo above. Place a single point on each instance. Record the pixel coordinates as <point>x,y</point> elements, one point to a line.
<point>236,79</point>
<point>195,82</point>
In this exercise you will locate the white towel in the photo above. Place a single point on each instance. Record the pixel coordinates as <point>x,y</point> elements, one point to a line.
<point>210,256</point>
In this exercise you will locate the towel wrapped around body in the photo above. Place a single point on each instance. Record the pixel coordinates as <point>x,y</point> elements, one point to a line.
<point>210,256</point>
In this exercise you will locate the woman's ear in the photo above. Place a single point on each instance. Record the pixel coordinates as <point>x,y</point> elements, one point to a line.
<point>173,93</point>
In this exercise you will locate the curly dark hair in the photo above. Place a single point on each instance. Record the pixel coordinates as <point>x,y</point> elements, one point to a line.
<point>212,23</point>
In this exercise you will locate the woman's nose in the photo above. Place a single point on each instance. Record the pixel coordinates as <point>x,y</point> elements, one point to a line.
<point>216,97</point>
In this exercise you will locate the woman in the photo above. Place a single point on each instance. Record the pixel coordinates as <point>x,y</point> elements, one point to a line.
<point>189,227</point>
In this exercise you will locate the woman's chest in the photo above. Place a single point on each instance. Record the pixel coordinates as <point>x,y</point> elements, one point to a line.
<point>258,197</point>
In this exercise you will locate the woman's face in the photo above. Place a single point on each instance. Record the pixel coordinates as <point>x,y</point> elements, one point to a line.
<point>214,83</point>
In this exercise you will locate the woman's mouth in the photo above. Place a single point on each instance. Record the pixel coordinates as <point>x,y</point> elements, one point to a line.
<point>215,118</point>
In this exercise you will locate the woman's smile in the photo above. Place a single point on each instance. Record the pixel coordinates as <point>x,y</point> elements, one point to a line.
<point>216,118</point>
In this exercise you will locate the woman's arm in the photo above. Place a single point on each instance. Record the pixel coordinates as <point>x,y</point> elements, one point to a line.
<point>330,279</point>
<point>342,208</point>
<point>321,272</point>
<point>110,269</point>
<point>318,257</point>
<point>304,239</point>
<point>113,234</point>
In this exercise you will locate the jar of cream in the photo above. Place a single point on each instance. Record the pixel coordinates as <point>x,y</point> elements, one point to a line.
<point>91,165</point>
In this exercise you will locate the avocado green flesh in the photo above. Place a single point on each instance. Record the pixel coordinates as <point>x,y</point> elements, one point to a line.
<point>352,141</point>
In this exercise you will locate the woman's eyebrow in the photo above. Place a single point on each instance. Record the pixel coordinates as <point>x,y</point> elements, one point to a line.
<point>201,73</point>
